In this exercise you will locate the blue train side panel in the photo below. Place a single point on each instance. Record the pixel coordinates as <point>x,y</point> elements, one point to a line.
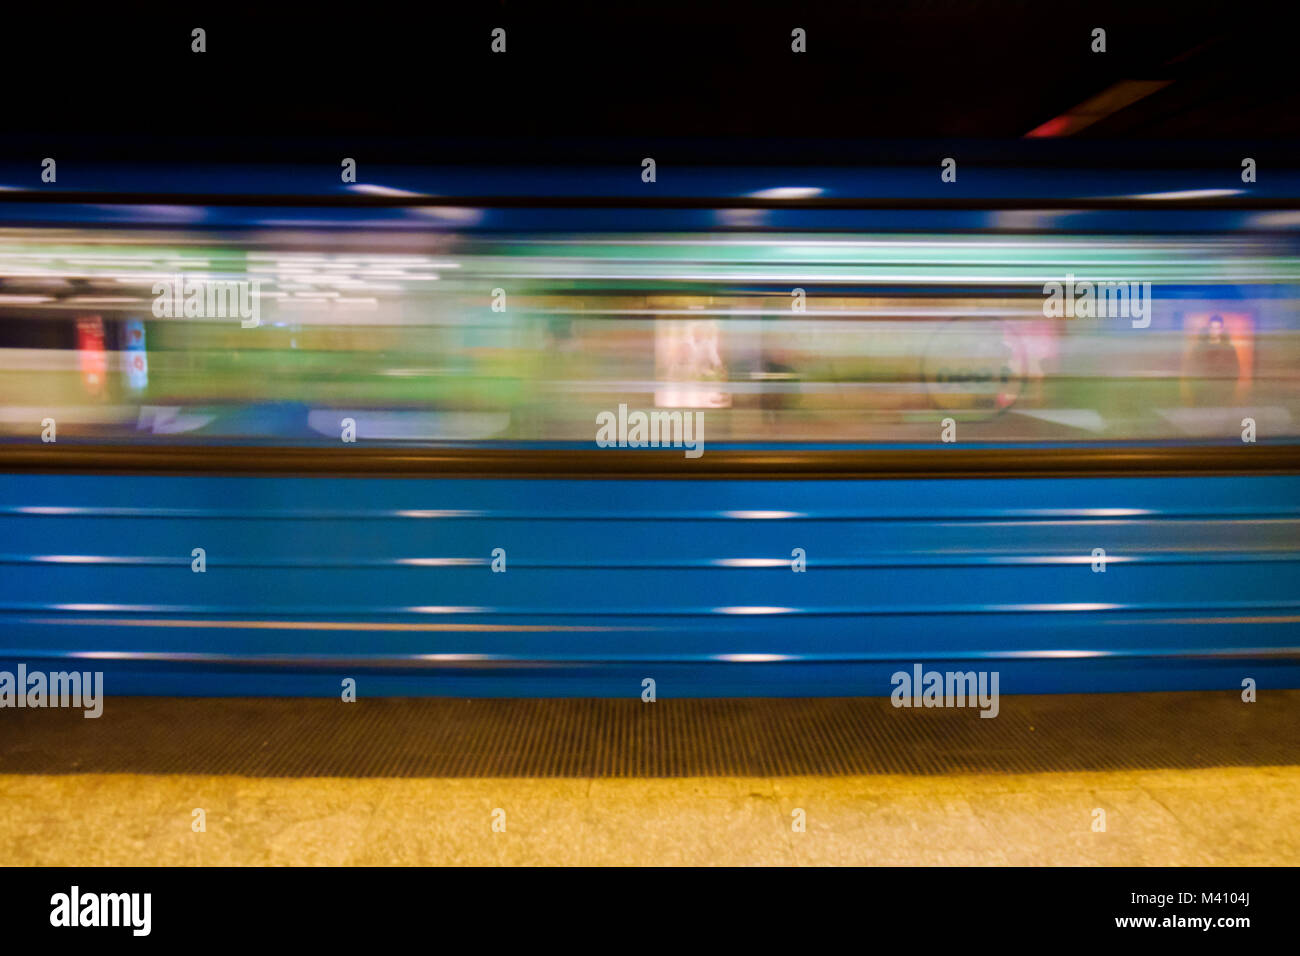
<point>601,584</point>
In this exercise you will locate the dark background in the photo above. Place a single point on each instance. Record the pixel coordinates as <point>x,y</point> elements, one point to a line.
<point>699,82</point>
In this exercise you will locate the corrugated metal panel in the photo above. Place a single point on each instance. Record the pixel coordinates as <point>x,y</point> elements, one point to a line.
<point>627,738</point>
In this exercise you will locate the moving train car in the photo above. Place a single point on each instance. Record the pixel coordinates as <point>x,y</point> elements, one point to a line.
<point>570,433</point>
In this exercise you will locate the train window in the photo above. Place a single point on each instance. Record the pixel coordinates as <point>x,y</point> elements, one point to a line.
<point>890,335</point>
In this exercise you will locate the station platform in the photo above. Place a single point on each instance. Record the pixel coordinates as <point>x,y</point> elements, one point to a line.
<point>1175,778</point>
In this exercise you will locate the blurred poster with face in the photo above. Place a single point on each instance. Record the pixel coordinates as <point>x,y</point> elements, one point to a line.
<point>1218,357</point>
<point>689,371</point>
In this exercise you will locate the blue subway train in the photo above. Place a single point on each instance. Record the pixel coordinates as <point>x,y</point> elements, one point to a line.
<point>774,432</point>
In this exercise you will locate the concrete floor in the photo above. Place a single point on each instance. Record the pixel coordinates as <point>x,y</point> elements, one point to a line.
<point>1183,779</point>
<point>1225,816</point>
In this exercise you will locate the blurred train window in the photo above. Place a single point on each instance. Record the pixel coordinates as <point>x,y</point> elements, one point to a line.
<point>895,334</point>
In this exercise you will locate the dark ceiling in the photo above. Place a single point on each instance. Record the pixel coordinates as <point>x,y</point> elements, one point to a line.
<point>574,82</point>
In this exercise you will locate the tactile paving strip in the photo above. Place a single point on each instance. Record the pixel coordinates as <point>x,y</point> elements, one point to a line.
<point>434,737</point>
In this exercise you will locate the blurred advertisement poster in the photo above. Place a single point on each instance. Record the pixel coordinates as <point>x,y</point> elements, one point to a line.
<point>91,357</point>
<point>689,371</point>
<point>1218,356</point>
<point>978,366</point>
<point>135,357</point>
